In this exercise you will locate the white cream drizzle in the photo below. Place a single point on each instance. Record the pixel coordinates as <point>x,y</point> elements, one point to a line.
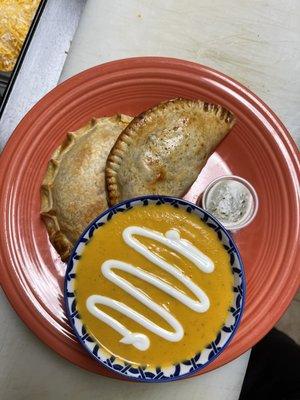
<point>172,240</point>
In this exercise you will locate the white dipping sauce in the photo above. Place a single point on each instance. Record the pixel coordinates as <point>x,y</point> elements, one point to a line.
<point>230,201</point>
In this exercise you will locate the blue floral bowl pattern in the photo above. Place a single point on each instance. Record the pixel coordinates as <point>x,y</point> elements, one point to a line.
<point>187,367</point>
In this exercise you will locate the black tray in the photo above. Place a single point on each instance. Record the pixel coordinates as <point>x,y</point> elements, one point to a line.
<point>4,79</point>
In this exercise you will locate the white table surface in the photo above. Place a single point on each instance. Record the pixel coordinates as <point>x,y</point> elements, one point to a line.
<point>256,42</point>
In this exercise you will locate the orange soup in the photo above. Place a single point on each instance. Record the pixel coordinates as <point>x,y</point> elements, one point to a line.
<point>154,285</point>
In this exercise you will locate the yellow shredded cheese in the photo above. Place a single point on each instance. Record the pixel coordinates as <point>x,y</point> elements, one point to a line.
<point>15,20</point>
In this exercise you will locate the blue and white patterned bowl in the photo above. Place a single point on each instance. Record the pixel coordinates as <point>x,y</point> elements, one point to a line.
<point>201,359</point>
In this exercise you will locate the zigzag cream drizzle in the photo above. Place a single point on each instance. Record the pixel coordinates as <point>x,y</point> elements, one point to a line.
<point>173,241</point>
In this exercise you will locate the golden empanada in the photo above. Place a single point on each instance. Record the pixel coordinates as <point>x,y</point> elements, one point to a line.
<point>163,149</point>
<point>73,191</point>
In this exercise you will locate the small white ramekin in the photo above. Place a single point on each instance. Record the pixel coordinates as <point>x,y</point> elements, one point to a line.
<point>252,211</point>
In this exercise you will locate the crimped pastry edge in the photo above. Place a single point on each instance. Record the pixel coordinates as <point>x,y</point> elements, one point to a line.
<point>58,239</point>
<point>117,152</point>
